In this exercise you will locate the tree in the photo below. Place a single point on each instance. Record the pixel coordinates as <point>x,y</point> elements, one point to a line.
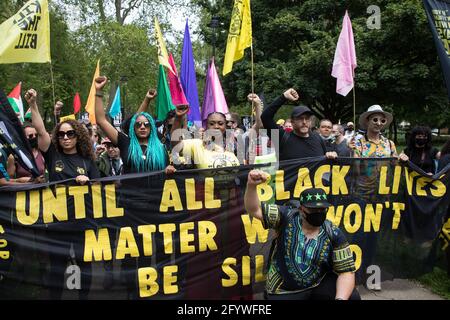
<point>294,44</point>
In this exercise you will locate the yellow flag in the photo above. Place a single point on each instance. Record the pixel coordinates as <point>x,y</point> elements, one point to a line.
<point>90,104</point>
<point>25,37</point>
<point>163,57</point>
<point>239,35</point>
<point>69,117</point>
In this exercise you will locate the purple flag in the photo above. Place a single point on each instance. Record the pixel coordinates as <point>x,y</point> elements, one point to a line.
<point>344,63</point>
<point>188,78</point>
<point>214,99</point>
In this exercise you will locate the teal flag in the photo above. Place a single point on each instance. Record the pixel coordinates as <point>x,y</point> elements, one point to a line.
<point>163,100</point>
<point>115,106</point>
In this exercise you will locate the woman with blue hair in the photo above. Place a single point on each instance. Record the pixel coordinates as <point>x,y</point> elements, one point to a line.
<point>141,150</point>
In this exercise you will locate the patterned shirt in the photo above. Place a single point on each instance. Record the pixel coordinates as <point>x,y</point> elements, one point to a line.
<point>367,186</point>
<point>298,263</point>
<point>366,148</point>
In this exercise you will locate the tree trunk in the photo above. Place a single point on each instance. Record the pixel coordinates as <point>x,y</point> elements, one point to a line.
<point>118,5</point>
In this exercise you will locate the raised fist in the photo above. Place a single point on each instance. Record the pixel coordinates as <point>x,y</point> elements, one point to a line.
<point>100,82</point>
<point>252,97</point>
<point>256,177</point>
<point>31,96</point>
<point>57,108</point>
<point>151,94</point>
<point>291,95</point>
<point>181,110</point>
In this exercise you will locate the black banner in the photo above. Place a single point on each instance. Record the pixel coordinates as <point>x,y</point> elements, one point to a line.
<point>438,13</point>
<point>187,236</point>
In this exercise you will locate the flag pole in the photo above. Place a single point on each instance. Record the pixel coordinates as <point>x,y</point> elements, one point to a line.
<point>253,83</point>
<point>354,100</point>
<point>53,83</point>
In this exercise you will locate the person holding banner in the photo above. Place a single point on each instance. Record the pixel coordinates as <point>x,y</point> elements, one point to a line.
<point>68,154</point>
<point>312,259</point>
<point>14,167</point>
<point>372,144</point>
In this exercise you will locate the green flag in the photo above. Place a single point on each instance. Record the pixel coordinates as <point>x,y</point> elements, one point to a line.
<point>164,100</point>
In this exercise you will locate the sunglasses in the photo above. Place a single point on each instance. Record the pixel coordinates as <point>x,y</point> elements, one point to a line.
<point>139,124</point>
<point>31,136</point>
<point>382,120</point>
<point>70,134</point>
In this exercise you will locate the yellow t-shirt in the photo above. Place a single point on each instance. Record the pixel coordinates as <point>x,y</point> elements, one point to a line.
<point>194,151</point>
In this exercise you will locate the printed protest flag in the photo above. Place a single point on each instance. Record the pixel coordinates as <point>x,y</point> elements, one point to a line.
<point>15,100</point>
<point>213,98</point>
<point>76,103</point>
<point>163,57</point>
<point>27,116</point>
<point>69,117</point>
<point>176,90</point>
<point>189,79</point>
<point>12,136</point>
<point>344,63</point>
<point>116,106</point>
<point>438,13</point>
<point>25,37</point>
<point>163,99</point>
<point>239,35</point>
<point>90,104</point>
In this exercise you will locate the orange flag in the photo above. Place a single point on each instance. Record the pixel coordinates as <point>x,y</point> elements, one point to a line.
<point>90,104</point>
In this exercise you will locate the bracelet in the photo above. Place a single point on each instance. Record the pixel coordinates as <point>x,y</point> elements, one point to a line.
<point>100,95</point>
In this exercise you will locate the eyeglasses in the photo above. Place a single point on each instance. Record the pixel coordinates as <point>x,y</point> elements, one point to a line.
<point>382,120</point>
<point>139,124</point>
<point>70,134</point>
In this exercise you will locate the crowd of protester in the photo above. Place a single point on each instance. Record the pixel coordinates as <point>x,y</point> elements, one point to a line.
<point>79,150</point>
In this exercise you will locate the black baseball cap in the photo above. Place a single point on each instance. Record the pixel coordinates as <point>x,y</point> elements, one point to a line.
<point>314,198</point>
<point>300,110</point>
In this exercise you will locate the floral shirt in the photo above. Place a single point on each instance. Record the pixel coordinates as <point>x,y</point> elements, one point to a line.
<point>366,148</point>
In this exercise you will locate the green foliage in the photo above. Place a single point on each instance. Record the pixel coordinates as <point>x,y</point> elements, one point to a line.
<point>437,281</point>
<point>294,44</point>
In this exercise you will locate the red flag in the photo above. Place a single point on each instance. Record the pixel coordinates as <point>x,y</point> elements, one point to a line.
<point>76,103</point>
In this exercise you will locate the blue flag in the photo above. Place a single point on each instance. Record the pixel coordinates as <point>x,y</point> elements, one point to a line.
<point>115,106</point>
<point>188,78</point>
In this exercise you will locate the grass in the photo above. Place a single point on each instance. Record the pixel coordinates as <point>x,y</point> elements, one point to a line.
<point>437,281</point>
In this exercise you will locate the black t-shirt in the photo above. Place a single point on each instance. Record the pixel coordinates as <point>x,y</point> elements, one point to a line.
<point>423,158</point>
<point>293,146</point>
<point>123,142</point>
<point>63,166</point>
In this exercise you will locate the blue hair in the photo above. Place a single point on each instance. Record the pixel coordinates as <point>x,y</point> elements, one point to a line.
<point>156,156</point>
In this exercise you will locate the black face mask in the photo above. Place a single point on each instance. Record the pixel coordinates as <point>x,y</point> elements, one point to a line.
<point>421,142</point>
<point>316,219</point>
<point>33,142</point>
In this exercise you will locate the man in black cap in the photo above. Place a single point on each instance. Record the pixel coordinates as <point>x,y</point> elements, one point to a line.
<point>311,259</point>
<point>301,142</point>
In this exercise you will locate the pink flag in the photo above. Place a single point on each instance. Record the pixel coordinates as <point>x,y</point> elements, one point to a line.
<point>176,90</point>
<point>344,63</point>
<point>76,103</point>
<point>213,99</point>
